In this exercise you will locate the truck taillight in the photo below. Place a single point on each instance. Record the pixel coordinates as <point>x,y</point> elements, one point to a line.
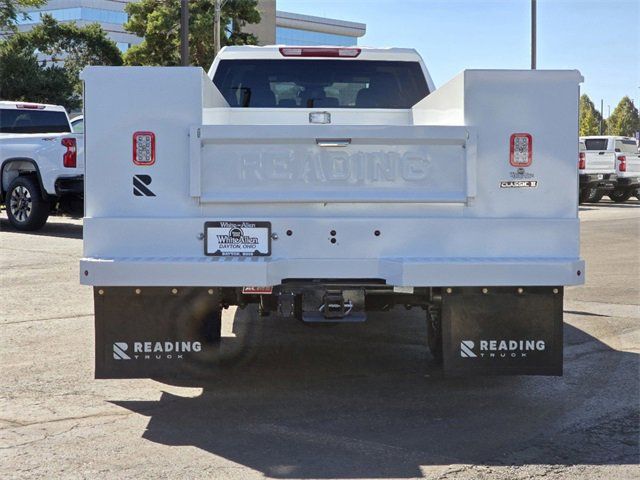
<point>582,161</point>
<point>319,52</point>
<point>520,150</point>
<point>144,148</point>
<point>70,157</point>
<point>30,106</point>
<point>622,165</point>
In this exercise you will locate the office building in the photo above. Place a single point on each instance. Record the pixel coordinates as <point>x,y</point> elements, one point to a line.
<point>275,26</point>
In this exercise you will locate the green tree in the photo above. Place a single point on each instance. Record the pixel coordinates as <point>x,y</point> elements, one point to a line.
<point>158,21</point>
<point>624,120</point>
<point>22,77</point>
<point>12,10</point>
<point>67,49</point>
<point>589,117</point>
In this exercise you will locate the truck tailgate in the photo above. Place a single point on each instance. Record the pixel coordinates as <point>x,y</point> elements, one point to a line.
<point>600,162</point>
<point>311,163</point>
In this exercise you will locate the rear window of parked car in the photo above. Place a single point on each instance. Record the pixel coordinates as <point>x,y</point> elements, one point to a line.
<point>596,143</point>
<point>321,83</point>
<point>33,121</point>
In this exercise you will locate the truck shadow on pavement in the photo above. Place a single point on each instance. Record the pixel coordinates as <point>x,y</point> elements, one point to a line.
<point>362,401</point>
<point>51,229</point>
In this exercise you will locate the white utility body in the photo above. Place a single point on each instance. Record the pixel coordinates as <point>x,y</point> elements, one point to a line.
<point>336,188</point>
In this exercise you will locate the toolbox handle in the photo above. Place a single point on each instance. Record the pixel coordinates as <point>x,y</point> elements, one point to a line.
<point>333,142</point>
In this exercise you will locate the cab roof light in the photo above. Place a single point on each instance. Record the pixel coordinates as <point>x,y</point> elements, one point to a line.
<point>30,106</point>
<point>320,52</point>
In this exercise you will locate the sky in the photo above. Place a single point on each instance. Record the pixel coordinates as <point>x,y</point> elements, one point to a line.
<point>601,38</point>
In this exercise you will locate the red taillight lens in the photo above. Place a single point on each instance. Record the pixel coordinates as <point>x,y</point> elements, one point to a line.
<point>582,161</point>
<point>319,52</point>
<point>144,148</point>
<point>520,150</point>
<point>70,157</point>
<point>622,166</point>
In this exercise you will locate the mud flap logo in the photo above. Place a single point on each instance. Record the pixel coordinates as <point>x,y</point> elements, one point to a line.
<point>141,186</point>
<point>119,349</point>
<point>466,349</point>
<point>171,350</point>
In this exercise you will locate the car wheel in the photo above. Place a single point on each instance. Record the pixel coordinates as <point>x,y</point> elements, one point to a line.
<point>26,209</point>
<point>620,196</point>
<point>595,195</point>
<point>587,193</point>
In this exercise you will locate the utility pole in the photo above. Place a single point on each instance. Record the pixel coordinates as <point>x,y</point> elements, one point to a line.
<point>216,28</point>
<point>601,116</point>
<point>184,32</point>
<point>534,39</point>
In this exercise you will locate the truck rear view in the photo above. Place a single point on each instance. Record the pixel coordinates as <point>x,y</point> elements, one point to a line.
<point>322,184</point>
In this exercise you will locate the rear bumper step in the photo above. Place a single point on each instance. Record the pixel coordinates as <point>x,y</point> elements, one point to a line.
<point>265,271</point>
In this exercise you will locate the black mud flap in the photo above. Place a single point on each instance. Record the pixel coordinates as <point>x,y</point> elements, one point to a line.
<point>157,332</point>
<point>502,331</point>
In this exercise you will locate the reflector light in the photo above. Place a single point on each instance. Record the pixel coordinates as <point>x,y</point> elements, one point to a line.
<point>582,161</point>
<point>520,150</point>
<point>30,106</point>
<point>69,159</point>
<point>622,166</point>
<point>319,52</point>
<point>144,148</point>
<point>257,290</point>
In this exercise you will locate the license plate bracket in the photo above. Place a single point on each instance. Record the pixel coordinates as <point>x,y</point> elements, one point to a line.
<point>237,239</point>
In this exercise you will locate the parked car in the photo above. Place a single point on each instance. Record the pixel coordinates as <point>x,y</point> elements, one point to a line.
<point>596,167</point>
<point>41,163</point>
<point>627,169</point>
<point>322,184</point>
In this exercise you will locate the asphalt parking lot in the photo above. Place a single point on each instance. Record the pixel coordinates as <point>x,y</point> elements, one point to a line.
<point>355,401</point>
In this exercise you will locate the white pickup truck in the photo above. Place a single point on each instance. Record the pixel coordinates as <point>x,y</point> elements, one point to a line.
<point>610,165</point>
<point>324,183</point>
<point>41,163</point>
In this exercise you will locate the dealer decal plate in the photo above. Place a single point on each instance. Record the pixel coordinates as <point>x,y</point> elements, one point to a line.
<point>237,239</point>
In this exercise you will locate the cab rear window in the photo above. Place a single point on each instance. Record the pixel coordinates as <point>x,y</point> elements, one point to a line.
<point>596,143</point>
<point>321,83</point>
<point>33,121</point>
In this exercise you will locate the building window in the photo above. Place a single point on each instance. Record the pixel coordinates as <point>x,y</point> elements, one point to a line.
<point>293,36</point>
<point>80,13</point>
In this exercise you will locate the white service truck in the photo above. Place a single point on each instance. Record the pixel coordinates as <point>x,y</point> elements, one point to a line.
<point>324,183</point>
<point>41,163</point>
